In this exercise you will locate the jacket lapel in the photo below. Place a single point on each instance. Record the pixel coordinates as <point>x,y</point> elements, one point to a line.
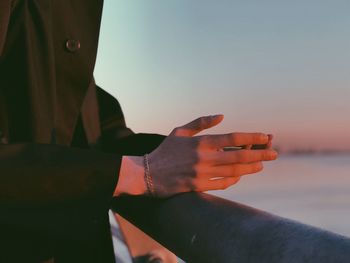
<point>5,8</point>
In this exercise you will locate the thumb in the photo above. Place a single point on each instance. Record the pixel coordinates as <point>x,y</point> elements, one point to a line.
<point>197,125</point>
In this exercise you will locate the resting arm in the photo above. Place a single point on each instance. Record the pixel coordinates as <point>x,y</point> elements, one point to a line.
<point>39,175</point>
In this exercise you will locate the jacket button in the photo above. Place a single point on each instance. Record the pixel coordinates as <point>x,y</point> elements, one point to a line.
<point>72,45</point>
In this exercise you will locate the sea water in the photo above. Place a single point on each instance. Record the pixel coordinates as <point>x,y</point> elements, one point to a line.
<point>313,189</point>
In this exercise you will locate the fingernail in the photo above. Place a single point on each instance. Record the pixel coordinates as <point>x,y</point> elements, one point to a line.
<point>264,137</point>
<point>217,116</point>
<point>274,155</point>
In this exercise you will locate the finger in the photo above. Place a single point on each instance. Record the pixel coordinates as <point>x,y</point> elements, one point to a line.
<point>233,170</point>
<point>233,139</point>
<point>217,184</point>
<point>259,147</point>
<point>241,156</point>
<point>197,125</point>
<point>269,143</point>
<point>264,146</point>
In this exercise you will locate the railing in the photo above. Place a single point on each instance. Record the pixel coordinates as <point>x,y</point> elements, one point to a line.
<point>201,228</point>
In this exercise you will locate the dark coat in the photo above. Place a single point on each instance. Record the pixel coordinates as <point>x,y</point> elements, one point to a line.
<point>61,136</point>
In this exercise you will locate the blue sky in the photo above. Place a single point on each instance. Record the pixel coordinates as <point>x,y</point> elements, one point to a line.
<point>274,66</point>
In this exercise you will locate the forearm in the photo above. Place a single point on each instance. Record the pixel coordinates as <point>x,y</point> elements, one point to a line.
<point>131,177</point>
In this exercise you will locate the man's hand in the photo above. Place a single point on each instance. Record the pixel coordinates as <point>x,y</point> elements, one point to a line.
<point>184,162</point>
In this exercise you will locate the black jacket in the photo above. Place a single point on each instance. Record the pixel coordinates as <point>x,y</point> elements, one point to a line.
<point>61,136</point>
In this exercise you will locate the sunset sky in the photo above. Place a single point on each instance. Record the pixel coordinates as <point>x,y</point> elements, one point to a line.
<point>273,66</point>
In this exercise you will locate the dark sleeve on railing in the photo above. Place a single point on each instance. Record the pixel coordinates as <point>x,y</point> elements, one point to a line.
<point>44,176</point>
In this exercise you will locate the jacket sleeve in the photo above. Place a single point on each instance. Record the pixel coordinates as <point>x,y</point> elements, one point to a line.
<point>54,189</point>
<point>55,186</point>
<point>40,175</point>
<point>43,175</point>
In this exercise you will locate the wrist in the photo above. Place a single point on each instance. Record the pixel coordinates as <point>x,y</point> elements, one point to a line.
<point>131,177</point>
